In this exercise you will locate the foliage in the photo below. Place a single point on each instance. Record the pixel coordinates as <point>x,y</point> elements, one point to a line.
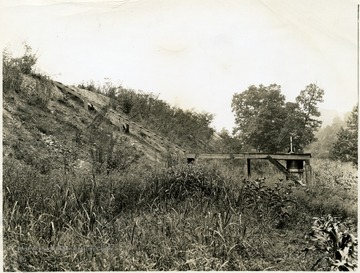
<point>184,180</point>
<point>333,191</point>
<point>308,112</point>
<point>110,154</point>
<point>78,196</point>
<point>274,205</point>
<point>11,74</point>
<point>188,129</point>
<point>89,85</point>
<point>346,146</point>
<point>259,113</point>
<point>333,240</point>
<point>24,63</point>
<point>325,139</point>
<point>334,174</point>
<point>14,67</point>
<point>228,143</point>
<point>19,76</point>
<point>187,217</point>
<point>265,121</point>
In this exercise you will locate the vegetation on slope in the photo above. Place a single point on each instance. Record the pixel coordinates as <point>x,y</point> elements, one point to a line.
<point>188,129</point>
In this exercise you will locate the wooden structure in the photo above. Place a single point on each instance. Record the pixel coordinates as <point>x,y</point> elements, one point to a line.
<point>295,168</point>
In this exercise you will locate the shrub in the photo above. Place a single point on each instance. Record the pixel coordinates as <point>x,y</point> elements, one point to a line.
<point>16,77</point>
<point>24,64</point>
<point>273,205</point>
<point>334,179</point>
<point>109,153</point>
<point>11,73</point>
<point>90,85</point>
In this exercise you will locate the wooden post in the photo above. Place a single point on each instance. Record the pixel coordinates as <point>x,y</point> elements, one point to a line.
<point>247,167</point>
<point>308,173</point>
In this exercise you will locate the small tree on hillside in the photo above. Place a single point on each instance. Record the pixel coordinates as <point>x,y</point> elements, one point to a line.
<point>14,67</point>
<point>346,146</point>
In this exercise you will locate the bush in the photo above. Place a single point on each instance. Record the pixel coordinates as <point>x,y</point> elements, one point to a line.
<point>90,85</point>
<point>335,174</point>
<point>16,77</point>
<point>11,73</point>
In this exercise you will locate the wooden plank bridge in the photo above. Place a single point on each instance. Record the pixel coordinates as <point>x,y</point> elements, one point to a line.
<point>295,168</point>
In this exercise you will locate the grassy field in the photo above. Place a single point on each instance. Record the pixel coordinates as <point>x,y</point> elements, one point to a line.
<point>185,217</point>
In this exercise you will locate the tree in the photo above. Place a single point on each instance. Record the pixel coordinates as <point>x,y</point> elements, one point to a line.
<point>308,112</point>
<point>346,146</point>
<point>265,122</point>
<point>228,143</point>
<point>259,113</point>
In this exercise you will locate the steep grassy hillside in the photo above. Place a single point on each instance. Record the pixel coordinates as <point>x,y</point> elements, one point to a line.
<point>75,122</point>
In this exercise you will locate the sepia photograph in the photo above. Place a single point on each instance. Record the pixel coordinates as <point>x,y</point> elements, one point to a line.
<point>179,135</point>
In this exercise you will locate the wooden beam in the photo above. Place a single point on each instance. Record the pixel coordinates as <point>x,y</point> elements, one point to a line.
<point>278,165</point>
<point>279,156</point>
<point>215,156</point>
<point>251,156</point>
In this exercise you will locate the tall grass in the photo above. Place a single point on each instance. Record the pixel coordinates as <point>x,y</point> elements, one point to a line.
<point>187,217</point>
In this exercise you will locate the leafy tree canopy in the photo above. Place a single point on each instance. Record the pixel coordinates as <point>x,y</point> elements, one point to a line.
<point>265,121</point>
<point>346,146</point>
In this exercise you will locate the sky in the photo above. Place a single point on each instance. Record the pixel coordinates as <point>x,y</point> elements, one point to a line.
<point>194,54</point>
